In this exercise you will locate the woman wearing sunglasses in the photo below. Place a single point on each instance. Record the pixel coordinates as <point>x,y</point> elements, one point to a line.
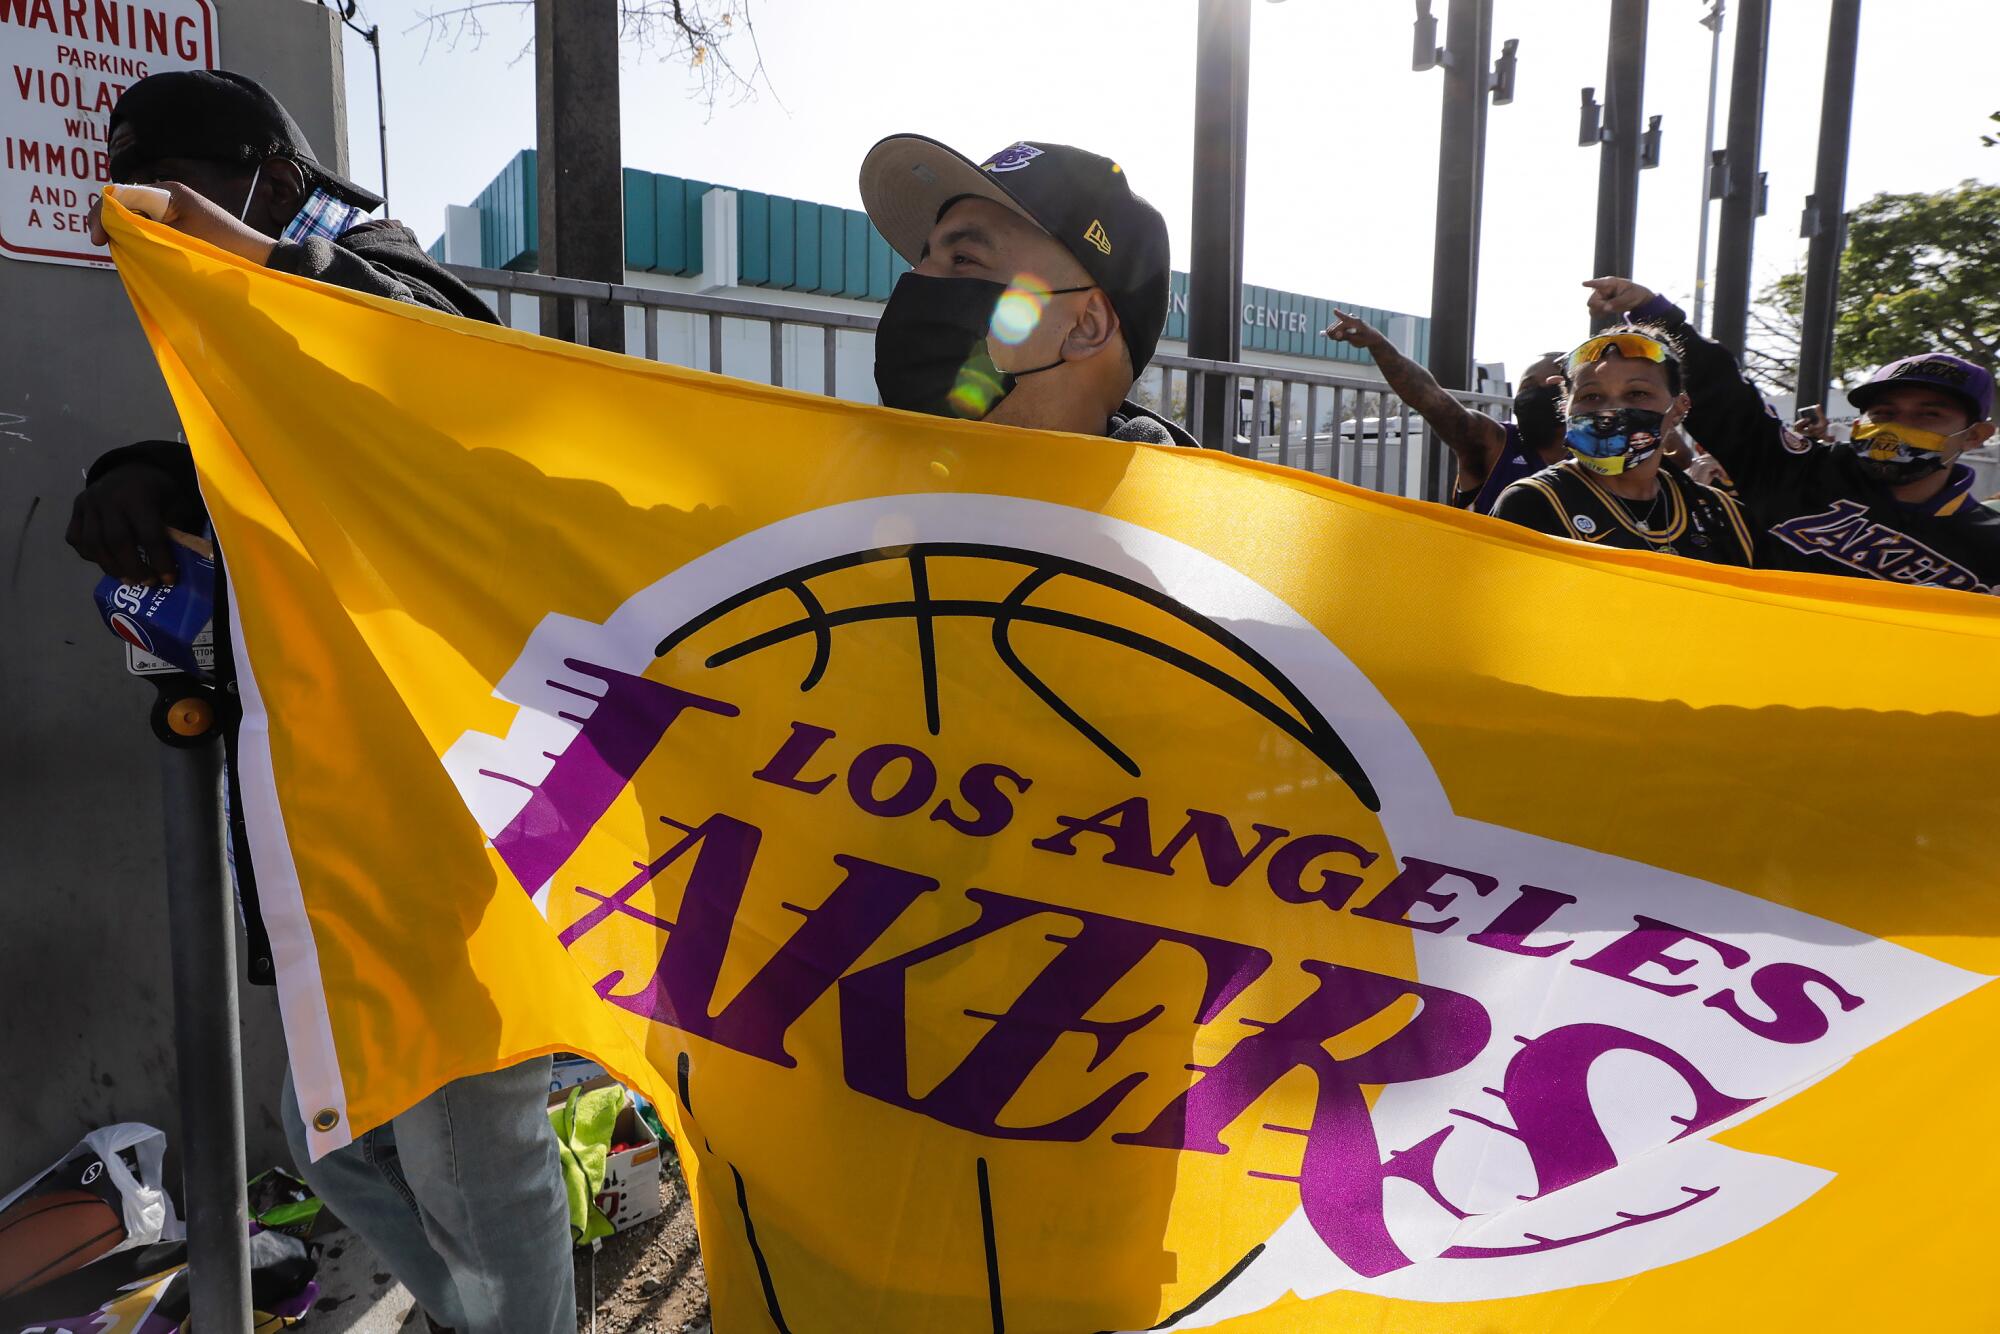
<point>1623,399</point>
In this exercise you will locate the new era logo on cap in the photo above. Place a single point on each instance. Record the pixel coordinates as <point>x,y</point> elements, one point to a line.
<point>1095,235</point>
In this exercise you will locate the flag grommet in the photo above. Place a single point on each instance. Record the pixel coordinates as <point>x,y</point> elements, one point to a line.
<point>325,1119</point>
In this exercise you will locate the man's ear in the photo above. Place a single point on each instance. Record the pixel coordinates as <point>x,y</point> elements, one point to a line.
<point>1096,327</point>
<point>1979,433</point>
<point>281,192</point>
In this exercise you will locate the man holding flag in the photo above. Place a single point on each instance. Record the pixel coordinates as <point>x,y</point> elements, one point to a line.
<point>461,1196</point>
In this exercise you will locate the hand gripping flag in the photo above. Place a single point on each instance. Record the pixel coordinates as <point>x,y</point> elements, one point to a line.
<point>1051,884</point>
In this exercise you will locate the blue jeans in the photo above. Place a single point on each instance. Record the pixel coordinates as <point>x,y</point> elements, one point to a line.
<point>462,1197</point>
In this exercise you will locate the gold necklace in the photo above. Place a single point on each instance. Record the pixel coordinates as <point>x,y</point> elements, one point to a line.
<point>1657,539</point>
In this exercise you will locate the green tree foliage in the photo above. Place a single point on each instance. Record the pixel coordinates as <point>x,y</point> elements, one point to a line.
<point>1921,273</point>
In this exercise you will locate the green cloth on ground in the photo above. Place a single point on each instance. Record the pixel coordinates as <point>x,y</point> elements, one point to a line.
<point>583,1126</point>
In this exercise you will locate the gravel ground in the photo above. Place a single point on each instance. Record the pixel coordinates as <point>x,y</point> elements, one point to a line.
<point>647,1278</point>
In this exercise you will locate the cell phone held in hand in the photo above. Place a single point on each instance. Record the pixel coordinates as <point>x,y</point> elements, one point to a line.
<point>167,627</point>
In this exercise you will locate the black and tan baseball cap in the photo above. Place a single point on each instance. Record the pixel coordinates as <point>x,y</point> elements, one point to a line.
<point>216,115</point>
<point>1084,201</point>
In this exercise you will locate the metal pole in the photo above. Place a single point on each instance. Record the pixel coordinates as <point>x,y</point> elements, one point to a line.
<point>1713,23</point>
<point>579,181</point>
<point>1825,219</point>
<point>207,1042</point>
<point>1739,197</point>
<point>1215,271</point>
<point>1461,152</point>
<point>1618,159</point>
<point>381,114</point>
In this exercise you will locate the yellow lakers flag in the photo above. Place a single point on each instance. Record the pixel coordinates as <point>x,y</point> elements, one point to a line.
<point>1050,884</point>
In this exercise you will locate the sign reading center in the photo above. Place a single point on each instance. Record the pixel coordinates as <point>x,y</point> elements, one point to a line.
<point>67,62</point>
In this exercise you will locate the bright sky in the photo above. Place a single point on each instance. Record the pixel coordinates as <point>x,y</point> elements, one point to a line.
<point>1343,134</point>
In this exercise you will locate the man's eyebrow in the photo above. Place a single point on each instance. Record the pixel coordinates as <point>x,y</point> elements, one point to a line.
<point>959,235</point>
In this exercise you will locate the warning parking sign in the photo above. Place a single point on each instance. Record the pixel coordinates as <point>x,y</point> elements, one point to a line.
<point>66,62</point>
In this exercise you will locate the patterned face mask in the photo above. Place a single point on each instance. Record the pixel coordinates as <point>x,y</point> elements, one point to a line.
<point>322,215</point>
<point>1616,440</point>
<point>1891,453</point>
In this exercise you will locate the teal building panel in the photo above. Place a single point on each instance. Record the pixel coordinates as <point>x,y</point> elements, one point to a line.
<point>507,237</point>
<point>641,245</point>
<point>880,283</point>
<point>832,251</point>
<point>669,224</point>
<point>783,241</point>
<point>855,254</point>
<point>805,233</point>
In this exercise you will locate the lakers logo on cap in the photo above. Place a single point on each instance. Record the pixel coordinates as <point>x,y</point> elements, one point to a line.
<point>1095,234</point>
<point>1012,159</point>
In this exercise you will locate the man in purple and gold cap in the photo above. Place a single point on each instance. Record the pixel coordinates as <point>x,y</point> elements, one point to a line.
<point>1891,502</point>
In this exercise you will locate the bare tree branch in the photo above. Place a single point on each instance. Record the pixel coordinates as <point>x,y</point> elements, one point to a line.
<point>706,36</point>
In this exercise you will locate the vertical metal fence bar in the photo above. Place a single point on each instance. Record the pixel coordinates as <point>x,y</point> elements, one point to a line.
<point>1255,449</point>
<point>580,311</point>
<point>1197,395</point>
<point>829,359</point>
<point>504,305</point>
<point>1312,424</point>
<point>651,319</point>
<point>1337,432</point>
<point>777,353</point>
<point>715,343</point>
<point>1381,442</point>
<point>1285,425</point>
<point>208,1053</point>
<point>1402,448</point>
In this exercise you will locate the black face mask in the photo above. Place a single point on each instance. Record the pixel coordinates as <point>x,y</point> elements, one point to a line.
<point>931,347</point>
<point>1536,416</point>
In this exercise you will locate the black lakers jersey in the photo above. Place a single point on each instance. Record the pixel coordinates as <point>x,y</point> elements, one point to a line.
<point>1683,518</point>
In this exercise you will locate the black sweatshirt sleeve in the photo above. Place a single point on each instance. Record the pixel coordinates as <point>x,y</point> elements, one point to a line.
<point>1728,416</point>
<point>382,259</point>
<point>325,262</point>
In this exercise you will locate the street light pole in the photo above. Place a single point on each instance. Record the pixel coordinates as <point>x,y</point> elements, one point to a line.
<point>1215,270</point>
<point>1825,221</point>
<point>1621,141</point>
<point>1461,154</point>
<point>1742,195</point>
<point>1713,22</point>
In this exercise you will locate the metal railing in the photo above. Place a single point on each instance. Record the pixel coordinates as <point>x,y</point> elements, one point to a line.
<point>1348,427</point>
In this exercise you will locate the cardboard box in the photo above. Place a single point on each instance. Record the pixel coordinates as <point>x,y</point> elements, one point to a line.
<point>568,1070</point>
<point>631,1192</point>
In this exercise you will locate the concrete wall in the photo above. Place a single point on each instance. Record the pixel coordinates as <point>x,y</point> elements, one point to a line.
<point>86,1008</point>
